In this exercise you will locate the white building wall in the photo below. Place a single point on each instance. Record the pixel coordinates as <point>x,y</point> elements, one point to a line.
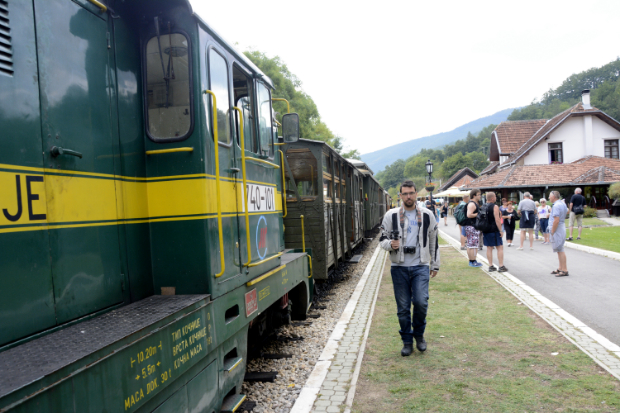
<point>570,134</point>
<point>601,132</point>
<point>580,136</point>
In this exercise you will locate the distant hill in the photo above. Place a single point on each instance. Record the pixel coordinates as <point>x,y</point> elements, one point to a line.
<point>378,160</point>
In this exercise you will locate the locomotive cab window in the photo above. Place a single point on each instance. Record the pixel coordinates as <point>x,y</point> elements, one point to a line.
<point>168,95</point>
<point>218,83</point>
<point>265,129</point>
<point>242,85</point>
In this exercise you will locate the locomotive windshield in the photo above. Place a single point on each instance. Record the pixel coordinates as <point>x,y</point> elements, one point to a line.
<point>168,89</point>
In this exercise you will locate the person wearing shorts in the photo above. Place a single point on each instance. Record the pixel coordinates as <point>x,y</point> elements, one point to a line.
<point>493,239</point>
<point>558,232</point>
<point>462,227</point>
<point>527,212</point>
<point>471,233</point>
<point>543,214</point>
<point>577,200</point>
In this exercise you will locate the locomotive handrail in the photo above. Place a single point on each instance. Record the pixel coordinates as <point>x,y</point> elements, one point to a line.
<point>303,244</point>
<point>263,161</point>
<point>283,185</point>
<point>160,151</point>
<point>266,259</point>
<point>217,183</point>
<point>100,5</point>
<point>245,187</point>
<point>288,106</point>
<point>262,277</point>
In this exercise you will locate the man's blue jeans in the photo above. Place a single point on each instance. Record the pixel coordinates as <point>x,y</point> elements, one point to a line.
<point>411,287</point>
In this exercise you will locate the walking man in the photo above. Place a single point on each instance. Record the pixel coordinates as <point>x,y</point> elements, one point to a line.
<point>558,232</point>
<point>527,212</point>
<point>576,207</point>
<point>493,239</point>
<point>415,259</point>
<point>471,233</point>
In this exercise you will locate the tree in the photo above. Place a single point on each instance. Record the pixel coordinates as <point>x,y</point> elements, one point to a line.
<point>392,175</point>
<point>288,86</point>
<point>453,164</point>
<point>352,154</point>
<point>476,161</point>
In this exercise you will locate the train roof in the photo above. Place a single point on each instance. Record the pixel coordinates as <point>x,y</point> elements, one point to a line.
<point>230,48</point>
<point>361,165</point>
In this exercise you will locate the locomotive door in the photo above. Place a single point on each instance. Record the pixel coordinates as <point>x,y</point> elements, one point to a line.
<point>80,145</point>
<point>219,82</point>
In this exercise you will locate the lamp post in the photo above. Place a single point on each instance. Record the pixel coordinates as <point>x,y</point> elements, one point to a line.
<point>430,187</point>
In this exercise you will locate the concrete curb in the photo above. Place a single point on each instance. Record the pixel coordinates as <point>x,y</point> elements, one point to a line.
<point>605,353</point>
<point>309,392</point>
<point>591,250</point>
<point>360,356</point>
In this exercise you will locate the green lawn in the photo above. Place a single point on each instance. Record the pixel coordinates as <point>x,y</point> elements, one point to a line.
<point>607,238</point>
<point>587,222</point>
<point>486,353</point>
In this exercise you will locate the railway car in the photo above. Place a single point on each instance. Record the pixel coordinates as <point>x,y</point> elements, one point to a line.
<point>374,199</point>
<point>320,185</point>
<point>141,189</point>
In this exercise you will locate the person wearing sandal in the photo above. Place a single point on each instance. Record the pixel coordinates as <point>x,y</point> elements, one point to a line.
<point>558,232</point>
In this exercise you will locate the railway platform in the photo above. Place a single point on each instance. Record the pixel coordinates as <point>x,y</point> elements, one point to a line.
<point>362,359</point>
<point>331,384</point>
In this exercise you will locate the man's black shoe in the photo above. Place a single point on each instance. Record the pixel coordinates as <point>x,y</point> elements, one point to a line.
<point>420,343</point>
<point>407,349</point>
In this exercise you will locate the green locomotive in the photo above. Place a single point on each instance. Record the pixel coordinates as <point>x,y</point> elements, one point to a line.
<point>141,189</point>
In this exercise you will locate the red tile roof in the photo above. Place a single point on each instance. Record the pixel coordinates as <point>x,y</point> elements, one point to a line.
<point>589,170</point>
<point>511,135</point>
<point>459,176</point>
<point>548,127</point>
<point>490,168</point>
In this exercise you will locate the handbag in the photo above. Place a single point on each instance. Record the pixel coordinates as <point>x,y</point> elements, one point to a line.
<point>578,210</point>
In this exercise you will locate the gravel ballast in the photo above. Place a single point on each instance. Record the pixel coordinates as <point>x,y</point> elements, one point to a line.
<point>279,396</point>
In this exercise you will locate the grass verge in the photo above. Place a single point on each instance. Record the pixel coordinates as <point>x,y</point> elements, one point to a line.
<point>486,353</point>
<point>605,238</point>
<point>587,222</point>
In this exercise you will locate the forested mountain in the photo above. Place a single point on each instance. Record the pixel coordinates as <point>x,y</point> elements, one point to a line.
<point>604,85</point>
<point>469,152</point>
<point>377,160</point>
<point>288,86</point>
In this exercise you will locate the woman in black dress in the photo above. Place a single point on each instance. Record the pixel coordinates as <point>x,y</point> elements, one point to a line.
<point>510,218</point>
<point>444,213</point>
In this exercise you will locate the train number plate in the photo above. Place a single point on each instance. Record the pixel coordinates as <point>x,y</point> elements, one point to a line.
<point>251,303</point>
<point>261,198</point>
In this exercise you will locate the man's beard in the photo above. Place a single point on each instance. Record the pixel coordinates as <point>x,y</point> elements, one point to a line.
<point>408,202</point>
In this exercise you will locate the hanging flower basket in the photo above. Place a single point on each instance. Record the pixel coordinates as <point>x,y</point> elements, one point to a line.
<point>430,188</point>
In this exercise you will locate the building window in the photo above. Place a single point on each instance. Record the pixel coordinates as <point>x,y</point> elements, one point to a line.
<point>555,153</point>
<point>611,149</point>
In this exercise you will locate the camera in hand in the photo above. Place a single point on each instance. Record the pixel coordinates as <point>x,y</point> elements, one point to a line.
<point>394,235</point>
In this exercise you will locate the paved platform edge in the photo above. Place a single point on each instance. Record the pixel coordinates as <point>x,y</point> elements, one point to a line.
<point>308,395</point>
<point>605,353</point>
<point>360,356</point>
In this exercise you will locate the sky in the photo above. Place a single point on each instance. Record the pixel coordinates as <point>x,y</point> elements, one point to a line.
<point>385,72</point>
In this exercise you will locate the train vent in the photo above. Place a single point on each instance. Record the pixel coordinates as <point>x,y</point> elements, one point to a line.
<point>6,49</point>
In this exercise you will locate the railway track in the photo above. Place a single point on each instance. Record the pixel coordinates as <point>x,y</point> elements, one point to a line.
<point>286,361</point>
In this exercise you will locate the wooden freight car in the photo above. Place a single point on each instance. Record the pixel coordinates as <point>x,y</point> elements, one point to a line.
<point>326,189</point>
<point>374,199</point>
